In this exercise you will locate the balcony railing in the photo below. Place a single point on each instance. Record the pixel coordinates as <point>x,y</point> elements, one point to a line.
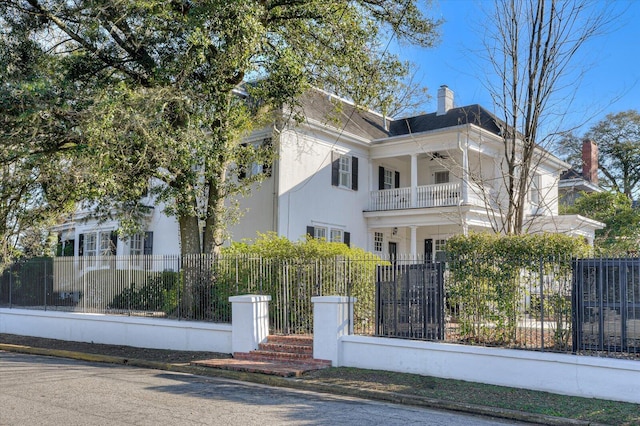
<point>441,195</point>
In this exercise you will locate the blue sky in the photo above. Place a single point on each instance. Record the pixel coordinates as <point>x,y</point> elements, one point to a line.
<point>611,83</point>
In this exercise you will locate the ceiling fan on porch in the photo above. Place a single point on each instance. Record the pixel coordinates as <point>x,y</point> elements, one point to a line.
<point>436,155</point>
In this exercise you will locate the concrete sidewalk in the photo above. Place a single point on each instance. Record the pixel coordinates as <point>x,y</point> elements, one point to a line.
<point>197,368</point>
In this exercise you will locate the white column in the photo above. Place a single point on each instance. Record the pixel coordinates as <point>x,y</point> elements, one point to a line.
<point>331,321</point>
<point>414,180</point>
<point>465,171</point>
<point>414,241</point>
<point>250,321</point>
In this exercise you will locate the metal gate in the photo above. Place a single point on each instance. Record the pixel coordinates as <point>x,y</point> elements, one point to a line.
<point>606,304</point>
<point>410,301</point>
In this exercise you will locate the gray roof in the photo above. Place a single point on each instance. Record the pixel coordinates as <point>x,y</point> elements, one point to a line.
<point>472,114</point>
<point>346,117</point>
<point>342,115</point>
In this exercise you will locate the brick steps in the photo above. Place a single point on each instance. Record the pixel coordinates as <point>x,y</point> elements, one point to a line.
<point>285,356</point>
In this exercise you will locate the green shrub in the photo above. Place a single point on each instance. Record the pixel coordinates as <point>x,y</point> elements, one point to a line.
<point>491,275</point>
<point>159,293</point>
<point>293,272</point>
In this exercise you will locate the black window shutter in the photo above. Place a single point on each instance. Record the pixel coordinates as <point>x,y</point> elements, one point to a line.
<point>380,178</point>
<point>397,180</point>
<point>311,231</point>
<point>113,247</point>
<point>335,168</point>
<point>81,245</point>
<point>148,243</point>
<point>347,239</point>
<point>354,173</point>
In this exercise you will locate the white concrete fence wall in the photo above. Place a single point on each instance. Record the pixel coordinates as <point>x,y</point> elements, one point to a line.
<point>250,329</point>
<point>591,377</point>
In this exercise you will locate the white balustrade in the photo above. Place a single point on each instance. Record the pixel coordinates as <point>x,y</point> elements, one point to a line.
<point>441,195</point>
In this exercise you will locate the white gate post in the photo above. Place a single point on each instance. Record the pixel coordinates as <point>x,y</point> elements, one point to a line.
<point>250,321</point>
<point>332,316</point>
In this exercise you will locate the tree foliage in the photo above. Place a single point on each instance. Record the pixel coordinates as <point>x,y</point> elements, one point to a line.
<point>618,140</point>
<point>491,277</point>
<point>154,89</point>
<point>333,268</point>
<point>622,232</point>
<point>531,47</point>
<point>38,138</point>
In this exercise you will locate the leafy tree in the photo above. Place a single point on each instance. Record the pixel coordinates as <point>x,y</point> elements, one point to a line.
<point>155,87</point>
<point>622,233</point>
<point>531,47</point>
<point>618,140</point>
<point>37,142</point>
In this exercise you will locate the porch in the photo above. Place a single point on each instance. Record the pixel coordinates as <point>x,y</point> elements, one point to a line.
<point>425,196</point>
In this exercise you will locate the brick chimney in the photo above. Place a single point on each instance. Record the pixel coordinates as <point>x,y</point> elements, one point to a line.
<point>445,100</point>
<point>590,161</point>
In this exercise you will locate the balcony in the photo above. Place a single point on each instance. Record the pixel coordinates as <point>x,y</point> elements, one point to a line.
<point>441,195</point>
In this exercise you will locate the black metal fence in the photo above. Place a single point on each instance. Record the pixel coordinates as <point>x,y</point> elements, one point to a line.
<point>607,305</point>
<point>410,300</point>
<point>195,287</point>
<point>561,304</point>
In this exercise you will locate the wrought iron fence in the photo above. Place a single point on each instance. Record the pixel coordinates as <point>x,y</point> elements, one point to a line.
<point>561,304</point>
<point>607,305</point>
<point>193,287</point>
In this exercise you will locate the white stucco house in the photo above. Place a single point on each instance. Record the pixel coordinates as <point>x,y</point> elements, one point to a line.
<point>385,185</point>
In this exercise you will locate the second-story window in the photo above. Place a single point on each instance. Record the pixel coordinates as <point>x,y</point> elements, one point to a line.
<point>344,171</point>
<point>441,177</point>
<point>388,179</point>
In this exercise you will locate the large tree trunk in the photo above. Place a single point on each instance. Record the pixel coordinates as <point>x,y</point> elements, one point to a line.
<point>214,222</point>
<point>190,261</point>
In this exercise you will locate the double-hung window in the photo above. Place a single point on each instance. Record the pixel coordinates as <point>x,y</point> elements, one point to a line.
<point>534,191</point>
<point>136,245</point>
<point>378,240</point>
<point>329,233</point>
<point>320,233</point>
<point>439,250</point>
<point>344,171</point>
<point>441,177</point>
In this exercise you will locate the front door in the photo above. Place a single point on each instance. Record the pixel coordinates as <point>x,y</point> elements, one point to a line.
<point>393,250</point>
<point>428,250</point>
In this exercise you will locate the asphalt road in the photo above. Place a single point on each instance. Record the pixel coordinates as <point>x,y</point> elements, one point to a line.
<point>37,390</point>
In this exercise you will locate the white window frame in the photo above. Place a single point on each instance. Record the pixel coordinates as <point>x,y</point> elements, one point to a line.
<point>136,245</point>
<point>441,173</point>
<point>439,247</point>
<point>389,178</point>
<point>336,235</point>
<point>320,232</point>
<point>535,195</point>
<point>90,248</point>
<point>378,242</point>
<point>344,171</point>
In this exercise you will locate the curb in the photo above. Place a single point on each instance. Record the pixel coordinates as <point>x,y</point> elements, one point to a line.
<point>307,385</point>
